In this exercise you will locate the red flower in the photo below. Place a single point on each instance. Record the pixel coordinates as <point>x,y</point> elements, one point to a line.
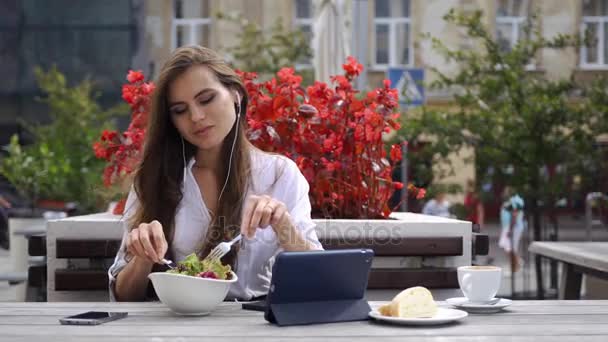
<point>396,153</point>
<point>352,67</point>
<point>123,150</point>
<point>135,76</point>
<point>108,135</point>
<point>421,193</point>
<point>100,151</point>
<point>120,207</point>
<point>147,88</point>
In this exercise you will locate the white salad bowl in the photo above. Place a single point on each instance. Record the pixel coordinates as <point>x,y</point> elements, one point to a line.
<point>187,295</point>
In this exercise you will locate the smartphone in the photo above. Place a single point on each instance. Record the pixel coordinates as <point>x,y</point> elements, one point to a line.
<point>92,318</point>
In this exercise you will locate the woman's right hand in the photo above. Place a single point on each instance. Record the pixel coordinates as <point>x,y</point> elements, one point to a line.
<point>148,242</point>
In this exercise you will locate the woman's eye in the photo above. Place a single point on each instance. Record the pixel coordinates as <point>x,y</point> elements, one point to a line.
<point>206,100</point>
<point>178,110</point>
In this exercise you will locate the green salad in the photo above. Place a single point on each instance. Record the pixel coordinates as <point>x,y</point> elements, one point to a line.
<point>193,266</point>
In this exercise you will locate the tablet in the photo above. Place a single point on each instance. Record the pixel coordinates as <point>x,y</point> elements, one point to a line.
<point>319,286</point>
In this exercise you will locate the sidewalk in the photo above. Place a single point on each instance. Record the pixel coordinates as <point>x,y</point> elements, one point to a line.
<point>570,229</point>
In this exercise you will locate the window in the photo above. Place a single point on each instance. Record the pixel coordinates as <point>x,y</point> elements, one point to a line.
<point>303,19</point>
<point>191,23</point>
<point>594,25</point>
<point>511,17</point>
<point>392,34</point>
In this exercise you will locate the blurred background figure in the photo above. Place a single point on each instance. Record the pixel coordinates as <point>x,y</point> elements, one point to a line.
<point>438,206</point>
<point>4,205</point>
<point>473,205</point>
<point>512,223</point>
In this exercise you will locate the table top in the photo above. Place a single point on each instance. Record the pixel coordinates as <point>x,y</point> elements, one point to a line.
<point>589,254</point>
<point>535,321</point>
<point>31,231</point>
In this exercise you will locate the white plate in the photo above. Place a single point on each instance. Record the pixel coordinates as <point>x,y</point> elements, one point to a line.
<point>442,316</point>
<point>464,304</point>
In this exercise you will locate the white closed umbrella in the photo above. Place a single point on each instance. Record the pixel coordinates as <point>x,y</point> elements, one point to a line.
<point>331,37</point>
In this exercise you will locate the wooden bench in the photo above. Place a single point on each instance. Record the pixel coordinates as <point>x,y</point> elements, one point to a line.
<point>95,278</point>
<point>411,250</point>
<point>28,260</point>
<point>577,258</point>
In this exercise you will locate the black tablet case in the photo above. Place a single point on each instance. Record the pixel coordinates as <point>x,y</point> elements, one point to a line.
<point>319,287</point>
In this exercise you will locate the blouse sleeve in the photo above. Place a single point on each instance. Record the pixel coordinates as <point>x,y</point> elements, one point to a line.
<point>121,257</point>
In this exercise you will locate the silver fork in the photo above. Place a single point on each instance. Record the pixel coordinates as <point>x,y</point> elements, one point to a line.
<point>169,263</point>
<point>221,249</point>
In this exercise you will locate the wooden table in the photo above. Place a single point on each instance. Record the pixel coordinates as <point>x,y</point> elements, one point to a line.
<point>535,321</point>
<point>578,258</point>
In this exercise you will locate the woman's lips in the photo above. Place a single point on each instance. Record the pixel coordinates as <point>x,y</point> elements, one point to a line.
<point>202,131</point>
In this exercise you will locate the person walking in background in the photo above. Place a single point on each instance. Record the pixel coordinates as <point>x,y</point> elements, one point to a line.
<point>512,222</point>
<point>437,206</point>
<point>473,205</point>
<point>4,238</point>
<point>4,203</point>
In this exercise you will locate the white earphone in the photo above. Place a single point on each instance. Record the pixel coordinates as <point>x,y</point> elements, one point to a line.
<point>238,104</point>
<point>236,133</point>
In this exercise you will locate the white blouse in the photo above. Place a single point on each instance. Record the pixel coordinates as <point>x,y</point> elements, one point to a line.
<point>272,175</point>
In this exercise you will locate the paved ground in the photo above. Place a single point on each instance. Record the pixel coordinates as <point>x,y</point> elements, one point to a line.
<point>570,229</point>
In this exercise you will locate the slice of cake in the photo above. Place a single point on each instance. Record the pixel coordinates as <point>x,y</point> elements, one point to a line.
<point>415,302</point>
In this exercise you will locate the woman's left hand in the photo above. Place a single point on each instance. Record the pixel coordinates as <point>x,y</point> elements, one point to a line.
<point>264,211</point>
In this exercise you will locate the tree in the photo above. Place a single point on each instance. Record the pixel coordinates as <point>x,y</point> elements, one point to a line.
<point>595,101</point>
<point>267,51</point>
<point>526,130</point>
<point>59,164</point>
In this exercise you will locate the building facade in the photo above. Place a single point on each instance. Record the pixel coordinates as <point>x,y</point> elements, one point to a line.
<point>103,39</point>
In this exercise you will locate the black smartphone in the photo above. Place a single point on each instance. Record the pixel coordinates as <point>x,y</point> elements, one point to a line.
<point>259,305</point>
<point>92,318</point>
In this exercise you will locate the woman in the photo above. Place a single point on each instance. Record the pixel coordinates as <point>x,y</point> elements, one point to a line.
<point>512,222</point>
<point>473,205</point>
<point>201,182</point>
<point>437,206</point>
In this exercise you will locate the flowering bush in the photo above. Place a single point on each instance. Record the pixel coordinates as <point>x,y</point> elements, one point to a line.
<point>333,135</point>
<point>123,151</point>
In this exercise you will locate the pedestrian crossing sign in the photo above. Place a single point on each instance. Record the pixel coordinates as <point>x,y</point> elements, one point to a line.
<point>409,83</point>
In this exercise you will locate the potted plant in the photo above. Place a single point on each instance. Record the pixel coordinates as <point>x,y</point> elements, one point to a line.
<point>335,135</point>
<point>122,151</point>
<point>57,168</point>
<point>338,144</point>
<point>56,172</point>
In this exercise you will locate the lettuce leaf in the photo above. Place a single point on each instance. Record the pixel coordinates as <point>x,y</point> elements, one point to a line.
<point>193,266</point>
<point>215,266</point>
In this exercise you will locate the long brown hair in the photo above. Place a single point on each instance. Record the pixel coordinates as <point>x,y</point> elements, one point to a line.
<point>160,175</point>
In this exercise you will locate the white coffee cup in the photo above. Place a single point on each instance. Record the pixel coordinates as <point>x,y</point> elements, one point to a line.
<point>479,283</point>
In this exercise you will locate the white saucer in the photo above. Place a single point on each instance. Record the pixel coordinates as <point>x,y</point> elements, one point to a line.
<point>464,304</point>
<point>442,316</point>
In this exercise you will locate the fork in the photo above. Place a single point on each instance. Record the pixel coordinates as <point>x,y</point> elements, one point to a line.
<point>169,263</point>
<point>221,249</point>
